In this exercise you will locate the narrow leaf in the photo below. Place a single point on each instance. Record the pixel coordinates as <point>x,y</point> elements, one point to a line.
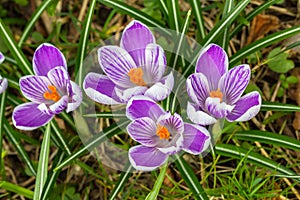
<point>16,189</point>
<point>197,11</point>
<point>275,106</point>
<point>2,111</point>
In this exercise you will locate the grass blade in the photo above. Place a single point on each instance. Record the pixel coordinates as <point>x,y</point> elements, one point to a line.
<point>164,7</point>
<point>2,111</point>
<point>266,41</point>
<point>275,106</point>
<point>60,138</point>
<point>252,157</point>
<point>174,15</point>
<point>121,182</point>
<point>227,9</point>
<point>21,59</point>
<point>157,185</point>
<point>196,9</point>
<point>106,115</point>
<point>31,22</point>
<point>16,189</point>
<point>42,171</point>
<point>190,179</point>
<point>269,138</point>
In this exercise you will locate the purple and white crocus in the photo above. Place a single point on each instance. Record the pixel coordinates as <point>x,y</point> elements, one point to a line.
<point>160,134</point>
<point>216,91</point>
<point>50,90</point>
<point>135,68</point>
<point>3,81</point>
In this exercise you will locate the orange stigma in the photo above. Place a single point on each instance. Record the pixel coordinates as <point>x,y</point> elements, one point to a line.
<point>216,94</point>
<point>52,95</point>
<point>162,132</point>
<point>136,76</point>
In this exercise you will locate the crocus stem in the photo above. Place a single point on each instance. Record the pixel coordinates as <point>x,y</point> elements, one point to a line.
<point>42,171</point>
<point>216,130</point>
<point>157,185</point>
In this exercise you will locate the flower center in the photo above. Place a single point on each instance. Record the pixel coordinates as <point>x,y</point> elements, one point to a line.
<point>136,76</point>
<point>52,95</point>
<point>162,132</point>
<point>216,94</point>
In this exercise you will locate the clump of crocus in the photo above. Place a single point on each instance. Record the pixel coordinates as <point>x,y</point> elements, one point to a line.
<point>3,81</point>
<point>50,90</point>
<point>160,134</point>
<point>216,92</point>
<point>135,68</point>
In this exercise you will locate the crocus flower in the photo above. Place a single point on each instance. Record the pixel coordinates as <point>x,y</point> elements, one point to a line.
<point>3,81</point>
<point>160,134</point>
<point>135,68</point>
<point>50,90</point>
<point>216,92</point>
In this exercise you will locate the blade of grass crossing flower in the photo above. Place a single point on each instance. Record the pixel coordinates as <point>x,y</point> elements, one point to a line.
<point>83,41</point>
<point>16,142</point>
<point>190,179</point>
<point>269,138</point>
<point>21,59</point>
<point>227,9</point>
<point>157,185</point>
<point>2,111</point>
<point>198,16</point>
<point>174,15</point>
<point>264,42</point>
<point>31,22</point>
<point>16,189</point>
<point>217,30</point>
<point>42,171</point>
<point>93,142</point>
<point>252,14</point>
<point>121,182</point>
<point>252,157</point>
<point>275,106</point>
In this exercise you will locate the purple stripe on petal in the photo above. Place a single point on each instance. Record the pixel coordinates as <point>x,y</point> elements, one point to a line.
<point>116,63</point>
<point>27,116</point>
<point>100,88</point>
<point>142,106</point>
<point>174,123</point>
<point>143,130</point>
<point>34,88</point>
<point>75,98</point>
<point>196,139</point>
<point>213,63</point>
<point>216,108</point>
<point>125,94</point>
<point>59,77</point>
<point>136,36</point>
<point>2,58</point>
<point>162,89</point>
<point>246,107</point>
<point>47,57</point>
<point>234,82</point>
<point>197,88</point>
<point>59,106</point>
<point>198,116</point>
<point>3,84</point>
<point>146,158</point>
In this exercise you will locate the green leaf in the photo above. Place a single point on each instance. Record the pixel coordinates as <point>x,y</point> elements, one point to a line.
<point>174,15</point>
<point>190,179</point>
<point>197,11</point>
<point>275,106</point>
<point>269,138</point>
<point>42,171</point>
<point>225,37</point>
<point>21,2</point>
<point>278,61</point>
<point>2,111</point>
<point>52,7</point>
<point>292,80</point>
<point>252,157</point>
<point>16,189</point>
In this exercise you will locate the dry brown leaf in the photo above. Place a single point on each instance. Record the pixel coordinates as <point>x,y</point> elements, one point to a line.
<point>261,25</point>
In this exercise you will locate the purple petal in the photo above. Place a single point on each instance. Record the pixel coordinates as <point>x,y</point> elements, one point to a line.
<point>3,84</point>
<point>216,108</point>
<point>146,158</point>
<point>246,107</point>
<point>136,36</point>
<point>75,98</point>
<point>100,88</point>
<point>59,77</point>
<point>196,139</point>
<point>142,106</point>
<point>175,126</point>
<point>34,88</point>
<point>197,88</point>
<point>234,82</point>
<point>27,116</point>
<point>2,58</point>
<point>213,63</point>
<point>56,107</point>
<point>125,94</point>
<point>143,130</point>
<point>162,89</point>
<point>198,116</point>
<point>47,57</point>
<point>116,63</point>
